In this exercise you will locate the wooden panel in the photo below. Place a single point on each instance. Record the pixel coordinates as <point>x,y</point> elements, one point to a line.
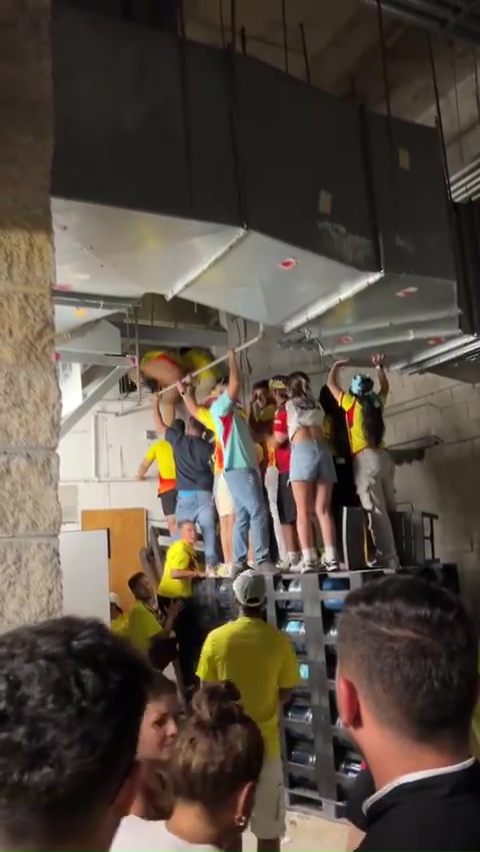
<point>127,530</point>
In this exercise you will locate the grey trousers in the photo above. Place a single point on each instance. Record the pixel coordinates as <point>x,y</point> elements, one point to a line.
<point>374,472</point>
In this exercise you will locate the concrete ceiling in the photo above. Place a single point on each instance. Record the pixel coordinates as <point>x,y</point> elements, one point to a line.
<point>345,59</point>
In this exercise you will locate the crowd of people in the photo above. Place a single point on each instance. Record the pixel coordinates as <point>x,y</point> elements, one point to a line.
<point>99,751</point>
<point>272,474</point>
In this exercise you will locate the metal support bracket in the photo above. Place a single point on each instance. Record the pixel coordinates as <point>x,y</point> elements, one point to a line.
<point>95,359</point>
<point>95,396</point>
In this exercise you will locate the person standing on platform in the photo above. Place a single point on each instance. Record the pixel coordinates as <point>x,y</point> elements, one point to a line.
<point>241,470</point>
<point>181,569</point>
<point>194,467</point>
<point>162,453</point>
<point>280,445</point>
<point>312,474</point>
<point>261,662</point>
<point>335,431</point>
<point>373,466</point>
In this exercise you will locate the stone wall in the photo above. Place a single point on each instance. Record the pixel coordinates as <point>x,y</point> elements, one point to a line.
<point>29,394</point>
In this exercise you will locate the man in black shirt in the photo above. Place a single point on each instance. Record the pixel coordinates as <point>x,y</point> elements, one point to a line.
<point>407,686</point>
<point>194,466</point>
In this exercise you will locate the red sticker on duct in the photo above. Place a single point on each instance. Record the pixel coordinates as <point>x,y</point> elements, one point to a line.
<point>58,356</point>
<point>408,291</point>
<point>288,263</point>
<point>63,287</point>
<point>435,341</point>
<point>346,340</point>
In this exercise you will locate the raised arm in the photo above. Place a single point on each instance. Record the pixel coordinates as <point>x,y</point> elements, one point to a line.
<point>333,380</point>
<point>234,377</point>
<point>158,421</point>
<point>188,396</point>
<point>378,362</point>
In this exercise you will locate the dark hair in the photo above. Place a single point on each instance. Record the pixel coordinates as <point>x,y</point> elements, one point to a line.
<point>219,750</point>
<point>160,686</point>
<point>410,647</point>
<point>298,384</point>
<point>373,422</point>
<point>340,437</point>
<point>72,696</point>
<point>179,425</point>
<point>134,580</point>
<point>261,385</point>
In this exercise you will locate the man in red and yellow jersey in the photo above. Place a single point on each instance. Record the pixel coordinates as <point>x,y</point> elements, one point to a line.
<point>280,445</point>
<point>161,452</point>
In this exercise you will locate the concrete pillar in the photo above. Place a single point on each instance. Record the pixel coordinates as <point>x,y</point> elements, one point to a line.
<point>29,393</point>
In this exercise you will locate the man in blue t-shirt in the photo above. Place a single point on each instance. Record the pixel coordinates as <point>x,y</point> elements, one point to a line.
<point>194,466</point>
<point>241,469</point>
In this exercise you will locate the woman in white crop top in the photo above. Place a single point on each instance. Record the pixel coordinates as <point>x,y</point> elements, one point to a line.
<point>312,473</point>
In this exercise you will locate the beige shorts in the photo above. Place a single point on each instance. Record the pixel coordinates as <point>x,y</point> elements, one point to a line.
<point>268,818</point>
<point>223,497</point>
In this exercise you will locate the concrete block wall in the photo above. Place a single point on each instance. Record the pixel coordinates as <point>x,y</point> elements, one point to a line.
<point>29,394</point>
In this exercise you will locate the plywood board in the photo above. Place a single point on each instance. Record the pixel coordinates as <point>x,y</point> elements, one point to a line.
<point>127,534</point>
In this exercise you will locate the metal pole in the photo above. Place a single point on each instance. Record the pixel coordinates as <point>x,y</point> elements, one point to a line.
<point>233,23</point>
<point>285,38</point>
<point>439,114</point>
<point>137,356</point>
<point>305,54</point>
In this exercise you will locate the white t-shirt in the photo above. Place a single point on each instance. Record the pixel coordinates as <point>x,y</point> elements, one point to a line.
<point>150,836</point>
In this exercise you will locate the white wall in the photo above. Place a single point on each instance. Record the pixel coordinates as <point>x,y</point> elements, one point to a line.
<point>446,482</point>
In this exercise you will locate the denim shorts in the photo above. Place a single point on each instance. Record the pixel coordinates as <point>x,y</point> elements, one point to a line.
<point>311,461</point>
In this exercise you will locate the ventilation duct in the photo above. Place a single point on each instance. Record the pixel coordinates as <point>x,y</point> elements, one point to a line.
<point>186,171</point>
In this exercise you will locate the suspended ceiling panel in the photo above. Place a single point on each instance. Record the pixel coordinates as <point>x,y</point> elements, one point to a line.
<point>68,319</point>
<point>125,253</point>
<point>265,280</point>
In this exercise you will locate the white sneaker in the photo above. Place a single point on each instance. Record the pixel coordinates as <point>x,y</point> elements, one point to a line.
<point>310,567</point>
<point>329,565</point>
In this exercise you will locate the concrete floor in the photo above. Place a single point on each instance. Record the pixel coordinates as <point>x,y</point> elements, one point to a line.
<point>307,834</point>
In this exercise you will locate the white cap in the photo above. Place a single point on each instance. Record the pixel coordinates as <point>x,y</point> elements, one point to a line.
<point>114,599</point>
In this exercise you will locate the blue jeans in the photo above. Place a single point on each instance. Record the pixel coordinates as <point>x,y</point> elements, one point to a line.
<point>250,513</point>
<point>198,506</point>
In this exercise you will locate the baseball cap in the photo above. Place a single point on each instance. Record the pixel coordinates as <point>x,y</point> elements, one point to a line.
<point>249,588</point>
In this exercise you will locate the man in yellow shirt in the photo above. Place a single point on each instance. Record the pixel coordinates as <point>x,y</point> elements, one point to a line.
<point>373,466</point>
<point>146,631</point>
<point>161,452</point>
<point>261,662</point>
<point>180,569</point>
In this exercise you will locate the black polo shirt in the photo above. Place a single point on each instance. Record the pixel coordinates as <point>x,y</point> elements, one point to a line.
<point>437,811</point>
<point>193,460</point>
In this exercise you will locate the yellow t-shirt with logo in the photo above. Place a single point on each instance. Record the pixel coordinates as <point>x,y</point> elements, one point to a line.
<point>355,425</point>
<point>120,625</point>
<point>143,625</point>
<point>260,660</point>
<point>180,557</point>
<point>161,452</point>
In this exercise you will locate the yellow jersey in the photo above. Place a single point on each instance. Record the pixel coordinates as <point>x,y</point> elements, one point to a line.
<point>180,557</point>
<point>143,624</point>
<point>161,452</point>
<point>260,660</point>
<point>195,359</point>
<point>355,425</point>
<point>120,625</point>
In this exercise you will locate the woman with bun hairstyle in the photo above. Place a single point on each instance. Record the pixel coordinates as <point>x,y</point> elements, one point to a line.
<point>214,769</point>
<point>373,466</point>
<point>312,473</point>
